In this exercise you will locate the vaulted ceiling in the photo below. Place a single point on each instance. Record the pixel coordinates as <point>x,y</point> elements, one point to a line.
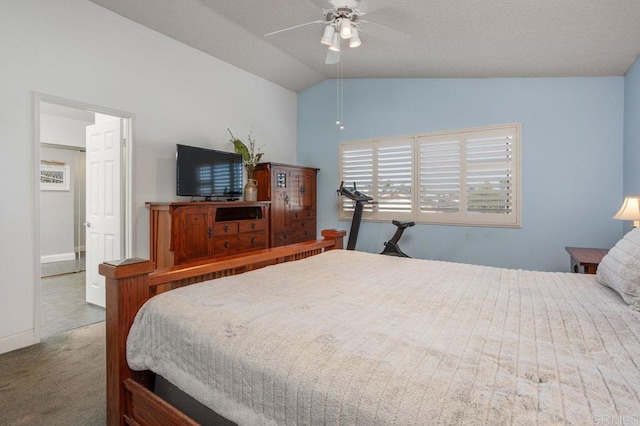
<point>448,38</point>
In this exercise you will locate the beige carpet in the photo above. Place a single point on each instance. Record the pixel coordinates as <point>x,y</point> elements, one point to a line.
<point>60,381</point>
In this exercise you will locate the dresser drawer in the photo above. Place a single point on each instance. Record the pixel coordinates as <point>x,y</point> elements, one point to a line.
<point>305,235</point>
<point>303,224</point>
<point>225,228</point>
<point>305,229</point>
<point>303,214</point>
<point>224,246</point>
<point>252,241</point>
<point>252,225</point>
<point>283,238</point>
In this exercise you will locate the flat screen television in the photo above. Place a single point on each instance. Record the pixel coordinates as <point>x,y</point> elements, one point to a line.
<point>208,173</point>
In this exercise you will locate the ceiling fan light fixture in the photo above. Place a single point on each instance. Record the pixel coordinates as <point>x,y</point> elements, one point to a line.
<point>327,36</point>
<point>354,41</point>
<point>335,44</point>
<point>346,29</point>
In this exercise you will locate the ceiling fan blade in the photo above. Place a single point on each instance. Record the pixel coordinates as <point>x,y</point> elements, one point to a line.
<point>294,27</point>
<point>368,6</point>
<point>333,57</point>
<point>384,33</point>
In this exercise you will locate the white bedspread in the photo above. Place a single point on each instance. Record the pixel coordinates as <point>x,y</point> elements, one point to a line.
<point>353,338</point>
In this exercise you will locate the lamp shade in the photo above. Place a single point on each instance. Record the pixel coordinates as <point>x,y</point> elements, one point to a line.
<point>354,41</point>
<point>327,37</point>
<point>630,210</point>
<point>335,44</point>
<point>346,29</point>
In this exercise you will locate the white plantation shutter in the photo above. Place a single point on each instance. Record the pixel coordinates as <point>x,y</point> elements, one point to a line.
<point>469,177</point>
<point>394,171</point>
<point>383,170</point>
<point>439,170</point>
<point>490,177</point>
<point>356,167</point>
<point>463,177</point>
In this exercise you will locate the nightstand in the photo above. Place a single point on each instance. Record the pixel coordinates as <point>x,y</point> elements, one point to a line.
<point>585,260</point>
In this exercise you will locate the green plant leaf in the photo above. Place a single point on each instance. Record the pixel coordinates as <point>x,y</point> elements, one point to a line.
<point>241,149</point>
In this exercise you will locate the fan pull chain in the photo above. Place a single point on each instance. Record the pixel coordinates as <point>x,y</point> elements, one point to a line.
<point>338,122</point>
<point>340,95</point>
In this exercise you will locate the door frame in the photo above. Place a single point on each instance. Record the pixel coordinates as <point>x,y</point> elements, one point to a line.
<point>126,187</point>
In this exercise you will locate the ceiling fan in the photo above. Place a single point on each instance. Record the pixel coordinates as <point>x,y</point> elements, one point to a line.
<point>344,22</point>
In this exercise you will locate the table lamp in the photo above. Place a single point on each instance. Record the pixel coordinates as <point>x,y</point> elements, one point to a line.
<point>630,210</point>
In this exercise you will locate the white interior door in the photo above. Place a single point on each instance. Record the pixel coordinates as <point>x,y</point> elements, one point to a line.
<point>104,203</point>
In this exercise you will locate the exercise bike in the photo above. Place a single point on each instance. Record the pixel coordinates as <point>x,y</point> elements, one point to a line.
<point>391,247</point>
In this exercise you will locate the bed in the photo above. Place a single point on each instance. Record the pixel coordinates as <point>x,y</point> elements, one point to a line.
<point>342,337</point>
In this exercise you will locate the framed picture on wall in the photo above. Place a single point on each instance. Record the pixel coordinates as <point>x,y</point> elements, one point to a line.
<point>54,177</point>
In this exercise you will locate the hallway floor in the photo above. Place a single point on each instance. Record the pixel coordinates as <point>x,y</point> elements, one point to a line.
<point>64,306</point>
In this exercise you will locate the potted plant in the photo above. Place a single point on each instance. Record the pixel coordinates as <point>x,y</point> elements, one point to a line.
<point>250,159</point>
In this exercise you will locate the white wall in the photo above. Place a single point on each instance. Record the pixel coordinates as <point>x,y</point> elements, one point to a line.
<point>63,131</point>
<point>58,210</point>
<point>63,213</point>
<point>77,50</point>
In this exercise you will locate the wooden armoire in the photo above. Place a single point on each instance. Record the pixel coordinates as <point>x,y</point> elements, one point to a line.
<point>292,193</point>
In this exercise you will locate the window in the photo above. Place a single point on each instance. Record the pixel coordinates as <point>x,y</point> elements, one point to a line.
<point>463,177</point>
<point>383,170</point>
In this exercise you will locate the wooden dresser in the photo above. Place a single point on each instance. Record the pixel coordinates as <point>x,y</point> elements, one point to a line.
<point>192,231</point>
<point>292,193</point>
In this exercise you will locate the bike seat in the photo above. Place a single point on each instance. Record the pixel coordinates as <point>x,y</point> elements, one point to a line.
<point>402,224</point>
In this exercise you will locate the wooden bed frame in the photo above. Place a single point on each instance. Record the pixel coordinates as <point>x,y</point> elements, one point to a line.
<point>130,283</point>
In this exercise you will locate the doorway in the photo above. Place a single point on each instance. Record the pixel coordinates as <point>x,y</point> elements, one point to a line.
<point>77,231</point>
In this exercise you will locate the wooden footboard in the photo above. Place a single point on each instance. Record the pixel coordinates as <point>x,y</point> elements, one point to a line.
<point>130,283</point>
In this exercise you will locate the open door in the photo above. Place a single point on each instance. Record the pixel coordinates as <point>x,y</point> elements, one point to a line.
<point>104,203</point>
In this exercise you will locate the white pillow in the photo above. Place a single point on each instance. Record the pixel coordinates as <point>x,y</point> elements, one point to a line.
<point>620,268</point>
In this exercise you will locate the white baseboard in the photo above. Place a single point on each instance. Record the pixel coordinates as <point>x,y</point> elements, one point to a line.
<point>60,257</point>
<point>17,341</point>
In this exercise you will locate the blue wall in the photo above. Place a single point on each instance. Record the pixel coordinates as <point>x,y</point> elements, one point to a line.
<point>632,130</point>
<point>572,159</point>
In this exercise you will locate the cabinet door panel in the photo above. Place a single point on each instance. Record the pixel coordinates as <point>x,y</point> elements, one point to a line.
<point>280,209</point>
<point>308,190</point>
<point>194,235</point>
<point>281,203</point>
<point>295,193</point>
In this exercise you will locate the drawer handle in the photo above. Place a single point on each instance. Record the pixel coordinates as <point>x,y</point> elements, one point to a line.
<point>226,228</point>
<point>226,244</point>
<point>253,240</point>
<point>285,235</point>
<point>253,225</point>
<point>302,224</point>
<point>286,199</point>
<point>210,232</point>
<point>297,214</point>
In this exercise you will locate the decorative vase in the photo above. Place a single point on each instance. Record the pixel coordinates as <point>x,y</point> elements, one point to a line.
<point>251,190</point>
